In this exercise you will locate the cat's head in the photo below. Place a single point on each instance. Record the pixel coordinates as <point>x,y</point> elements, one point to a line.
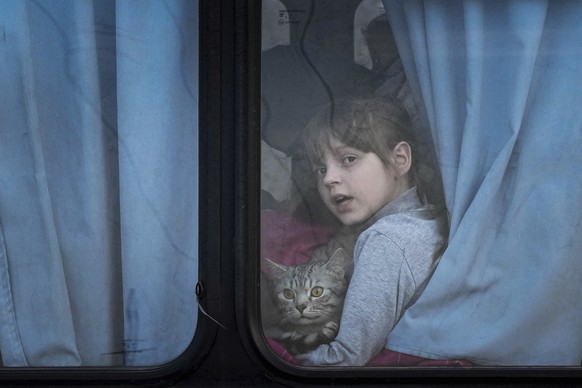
<point>312,293</point>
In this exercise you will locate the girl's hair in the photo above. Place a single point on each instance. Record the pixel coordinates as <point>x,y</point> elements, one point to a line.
<point>375,125</point>
<point>370,125</point>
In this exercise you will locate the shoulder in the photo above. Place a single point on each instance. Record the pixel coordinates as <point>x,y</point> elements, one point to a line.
<point>405,228</point>
<point>376,240</point>
<point>415,237</point>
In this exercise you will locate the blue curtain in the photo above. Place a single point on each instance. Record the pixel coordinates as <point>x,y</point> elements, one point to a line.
<point>500,81</point>
<point>98,181</point>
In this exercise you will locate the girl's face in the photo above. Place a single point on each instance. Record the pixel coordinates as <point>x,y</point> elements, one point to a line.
<point>354,185</point>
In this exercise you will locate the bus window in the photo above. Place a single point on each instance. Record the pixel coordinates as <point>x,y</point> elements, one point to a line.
<point>99,182</point>
<point>405,184</point>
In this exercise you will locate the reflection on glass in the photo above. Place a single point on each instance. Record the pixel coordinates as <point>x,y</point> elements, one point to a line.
<point>98,182</point>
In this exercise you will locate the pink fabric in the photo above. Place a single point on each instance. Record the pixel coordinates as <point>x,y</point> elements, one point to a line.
<point>384,358</point>
<point>391,358</point>
<point>281,352</point>
<point>288,241</point>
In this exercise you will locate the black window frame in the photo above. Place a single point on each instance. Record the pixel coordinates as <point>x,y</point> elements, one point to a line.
<point>229,242</point>
<point>248,254</point>
<point>214,25</point>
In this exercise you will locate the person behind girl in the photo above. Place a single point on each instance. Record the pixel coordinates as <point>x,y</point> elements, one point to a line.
<point>362,152</point>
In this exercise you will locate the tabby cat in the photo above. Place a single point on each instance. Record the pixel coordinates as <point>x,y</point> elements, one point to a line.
<point>302,304</point>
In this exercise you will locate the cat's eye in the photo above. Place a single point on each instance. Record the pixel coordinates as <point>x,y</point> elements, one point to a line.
<point>316,292</point>
<point>288,294</point>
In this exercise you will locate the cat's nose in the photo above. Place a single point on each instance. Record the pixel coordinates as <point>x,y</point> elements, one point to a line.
<point>301,307</point>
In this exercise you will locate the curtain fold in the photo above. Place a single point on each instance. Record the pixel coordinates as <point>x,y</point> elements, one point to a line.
<point>499,84</point>
<point>98,181</point>
<point>158,175</point>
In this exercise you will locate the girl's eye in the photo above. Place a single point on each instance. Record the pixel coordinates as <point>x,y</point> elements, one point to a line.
<point>320,171</point>
<point>288,294</point>
<point>317,291</point>
<point>348,160</point>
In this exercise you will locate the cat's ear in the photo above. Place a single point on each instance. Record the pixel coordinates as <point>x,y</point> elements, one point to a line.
<point>274,269</point>
<point>338,262</point>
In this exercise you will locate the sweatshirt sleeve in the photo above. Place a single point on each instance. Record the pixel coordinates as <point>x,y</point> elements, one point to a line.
<point>372,305</point>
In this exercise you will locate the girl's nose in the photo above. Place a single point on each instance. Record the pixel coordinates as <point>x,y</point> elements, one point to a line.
<point>332,176</point>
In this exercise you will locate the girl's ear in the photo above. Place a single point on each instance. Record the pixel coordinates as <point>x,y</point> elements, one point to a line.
<point>402,158</point>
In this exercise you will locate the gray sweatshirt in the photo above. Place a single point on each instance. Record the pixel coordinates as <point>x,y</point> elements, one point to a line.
<point>393,259</point>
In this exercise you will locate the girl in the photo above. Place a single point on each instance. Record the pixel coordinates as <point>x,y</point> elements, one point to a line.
<point>362,153</point>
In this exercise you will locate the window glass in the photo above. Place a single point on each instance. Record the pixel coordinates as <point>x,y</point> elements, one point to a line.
<point>98,182</point>
<point>321,188</point>
<point>413,209</point>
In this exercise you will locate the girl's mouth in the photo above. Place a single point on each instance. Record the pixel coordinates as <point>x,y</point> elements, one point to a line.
<point>342,202</point>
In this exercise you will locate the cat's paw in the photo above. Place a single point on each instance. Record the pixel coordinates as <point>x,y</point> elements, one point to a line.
<point>291,336</point>
<point>330,329</point>
<point>310,339</point>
